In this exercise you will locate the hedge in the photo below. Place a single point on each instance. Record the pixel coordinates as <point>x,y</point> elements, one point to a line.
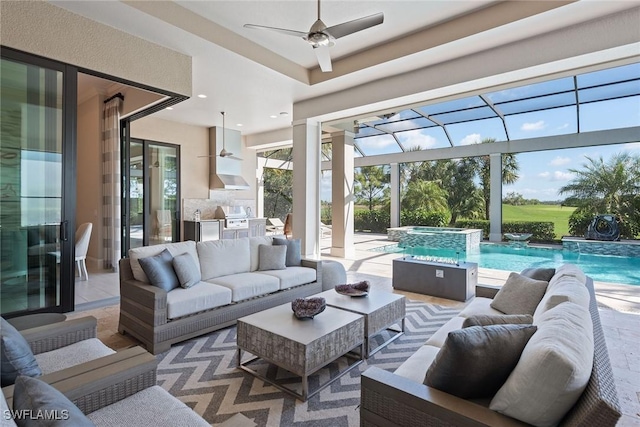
<point>423,218</point>
<point>542,231</point>
<point>373,221</point>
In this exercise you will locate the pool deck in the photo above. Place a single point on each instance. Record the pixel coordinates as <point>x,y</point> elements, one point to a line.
<point>619,312</point>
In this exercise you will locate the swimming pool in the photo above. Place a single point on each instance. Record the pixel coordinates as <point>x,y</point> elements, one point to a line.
<point>604,268</point>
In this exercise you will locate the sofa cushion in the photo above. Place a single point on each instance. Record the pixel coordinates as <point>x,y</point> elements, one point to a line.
<point>187,270</point>
<point>248,285</point>
<point>72,355</point>
<point>553,370</point>
<point>272,257</point>
<point>17,357</point>
<point>544,274</point>
<point>415,367</point>
<point>199,297</point>
<point>294,254</point>
<point>293,276</point>
<point>519,295</point>
<point>38,397</point>
<point>146,251</point>
<point>480,305</point>
<point>440,336</point>
<point>151,407</point>
<point>505,319</point>
<point>475,361</point>
<point>159,270</point>
<point>570,270</point>
<point>566,288</point>
<point>223,257</point>
<point>254,245</point>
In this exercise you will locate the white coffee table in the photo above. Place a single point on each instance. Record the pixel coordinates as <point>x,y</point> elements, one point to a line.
<point>380,310</point>
<point>301,346</point>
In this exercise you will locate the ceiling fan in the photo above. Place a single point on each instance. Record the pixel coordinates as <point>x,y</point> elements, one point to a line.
<point>223,152</point>
<point>321,37</point>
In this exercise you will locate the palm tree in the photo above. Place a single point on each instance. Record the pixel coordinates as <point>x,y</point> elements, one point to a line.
<point>427,195</point>
<point>371,185</point>
<point>510,175</point>
<point>611,186</point>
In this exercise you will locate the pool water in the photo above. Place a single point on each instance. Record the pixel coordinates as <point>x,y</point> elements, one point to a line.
<point>603,268</point>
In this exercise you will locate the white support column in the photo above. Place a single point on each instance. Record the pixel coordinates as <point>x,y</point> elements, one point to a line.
<point>342,197</point>
<point>259,189</point>
<point>395,194</point>
<point>306,186</point>
<point>495,198</point>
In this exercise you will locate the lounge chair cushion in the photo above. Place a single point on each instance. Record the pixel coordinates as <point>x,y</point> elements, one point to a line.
<point>474,362</point>
<point>32,394</point>
<point>151,407</point>
<point>17,357</point>
<point>72,355</point>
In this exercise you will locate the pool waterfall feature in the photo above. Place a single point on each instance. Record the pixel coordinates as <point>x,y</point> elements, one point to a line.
<point>461,240</point>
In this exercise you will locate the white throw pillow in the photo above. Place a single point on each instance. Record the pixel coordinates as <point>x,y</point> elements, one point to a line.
<point>553,370</point>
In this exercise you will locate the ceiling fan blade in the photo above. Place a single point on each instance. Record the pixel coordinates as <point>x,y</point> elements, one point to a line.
<point>278,30</point>
<point>356,25</point>
<point>324,59</point>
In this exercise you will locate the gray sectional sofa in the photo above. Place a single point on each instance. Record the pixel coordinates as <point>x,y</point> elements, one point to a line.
<point>562,377</point>
<point>232,285</point>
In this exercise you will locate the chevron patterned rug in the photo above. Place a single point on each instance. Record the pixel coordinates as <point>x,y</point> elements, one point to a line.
<point>202,373</point>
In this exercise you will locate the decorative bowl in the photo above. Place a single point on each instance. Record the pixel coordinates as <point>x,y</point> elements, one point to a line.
<point>359,289</point>
<point>306,308</point>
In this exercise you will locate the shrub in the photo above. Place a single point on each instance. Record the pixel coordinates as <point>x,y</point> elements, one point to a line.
<point>424,218</point>
<point>578,223</point>
<point>541,231</point>
<point>376,221</point>
<point>482,224</point>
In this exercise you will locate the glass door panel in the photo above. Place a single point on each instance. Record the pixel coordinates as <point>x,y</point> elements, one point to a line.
<point>31,170</point>
<point>163,189</point>
<point>136,195</point>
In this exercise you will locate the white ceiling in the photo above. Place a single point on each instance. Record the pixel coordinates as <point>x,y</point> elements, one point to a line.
<point>252,74</point>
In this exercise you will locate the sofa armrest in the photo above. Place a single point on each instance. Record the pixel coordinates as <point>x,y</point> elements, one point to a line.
<point>388,399</point>
<point>487,291</point>
<point>316,264</point>
<point>145,302</point>
<point>60,334</point>
<point>104,381</point>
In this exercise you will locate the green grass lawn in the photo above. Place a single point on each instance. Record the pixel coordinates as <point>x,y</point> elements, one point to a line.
<point>557,214</point>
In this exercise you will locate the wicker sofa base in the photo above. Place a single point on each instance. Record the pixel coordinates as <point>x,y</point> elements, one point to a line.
<point>159,338</point>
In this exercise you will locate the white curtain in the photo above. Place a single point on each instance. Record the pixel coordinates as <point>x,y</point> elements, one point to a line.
<point>111,177</point>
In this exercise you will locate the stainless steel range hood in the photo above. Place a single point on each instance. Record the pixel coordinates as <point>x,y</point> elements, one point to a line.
<point>225,172</point>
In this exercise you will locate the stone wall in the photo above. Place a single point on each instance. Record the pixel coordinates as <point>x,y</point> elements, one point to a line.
<point>629,248</point>
<point>463,240</point>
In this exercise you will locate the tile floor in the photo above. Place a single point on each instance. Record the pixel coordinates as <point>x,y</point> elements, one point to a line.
<point>619,312</point>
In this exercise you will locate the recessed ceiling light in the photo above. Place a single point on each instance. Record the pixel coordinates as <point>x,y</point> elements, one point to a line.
<point>169,108</point>
<point>273,116</point>
<point>239,125</point>
<point>202,95</point>
<point>284,114</point>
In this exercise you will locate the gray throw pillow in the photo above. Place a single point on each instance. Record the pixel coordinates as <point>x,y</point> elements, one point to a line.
<point>186,269</point>
<point>505,319</point>
<point>34,395</point>
<point>519,295</point>
<point>159,270</point>
<point>545,274</point>
<point>271,257</point>
<point>17,357</point>
<point>475,362</point>
<point>294,256</point>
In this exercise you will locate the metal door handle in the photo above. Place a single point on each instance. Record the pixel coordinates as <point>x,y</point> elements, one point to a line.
<point>64,228</point>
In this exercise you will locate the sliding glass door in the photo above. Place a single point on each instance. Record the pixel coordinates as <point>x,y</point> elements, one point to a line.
<point>36,173</point>
<point>153,196</point>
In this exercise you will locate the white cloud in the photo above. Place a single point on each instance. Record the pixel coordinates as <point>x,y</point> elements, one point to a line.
<point>633,146</point>
<point>562,176</point>
<point>545,174</point>
<point>417,139</point>
<point>533,126</point>
<point>559,161</point>
<point>381,141</point>
<point>473,138</point>
<point>564,126</point>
